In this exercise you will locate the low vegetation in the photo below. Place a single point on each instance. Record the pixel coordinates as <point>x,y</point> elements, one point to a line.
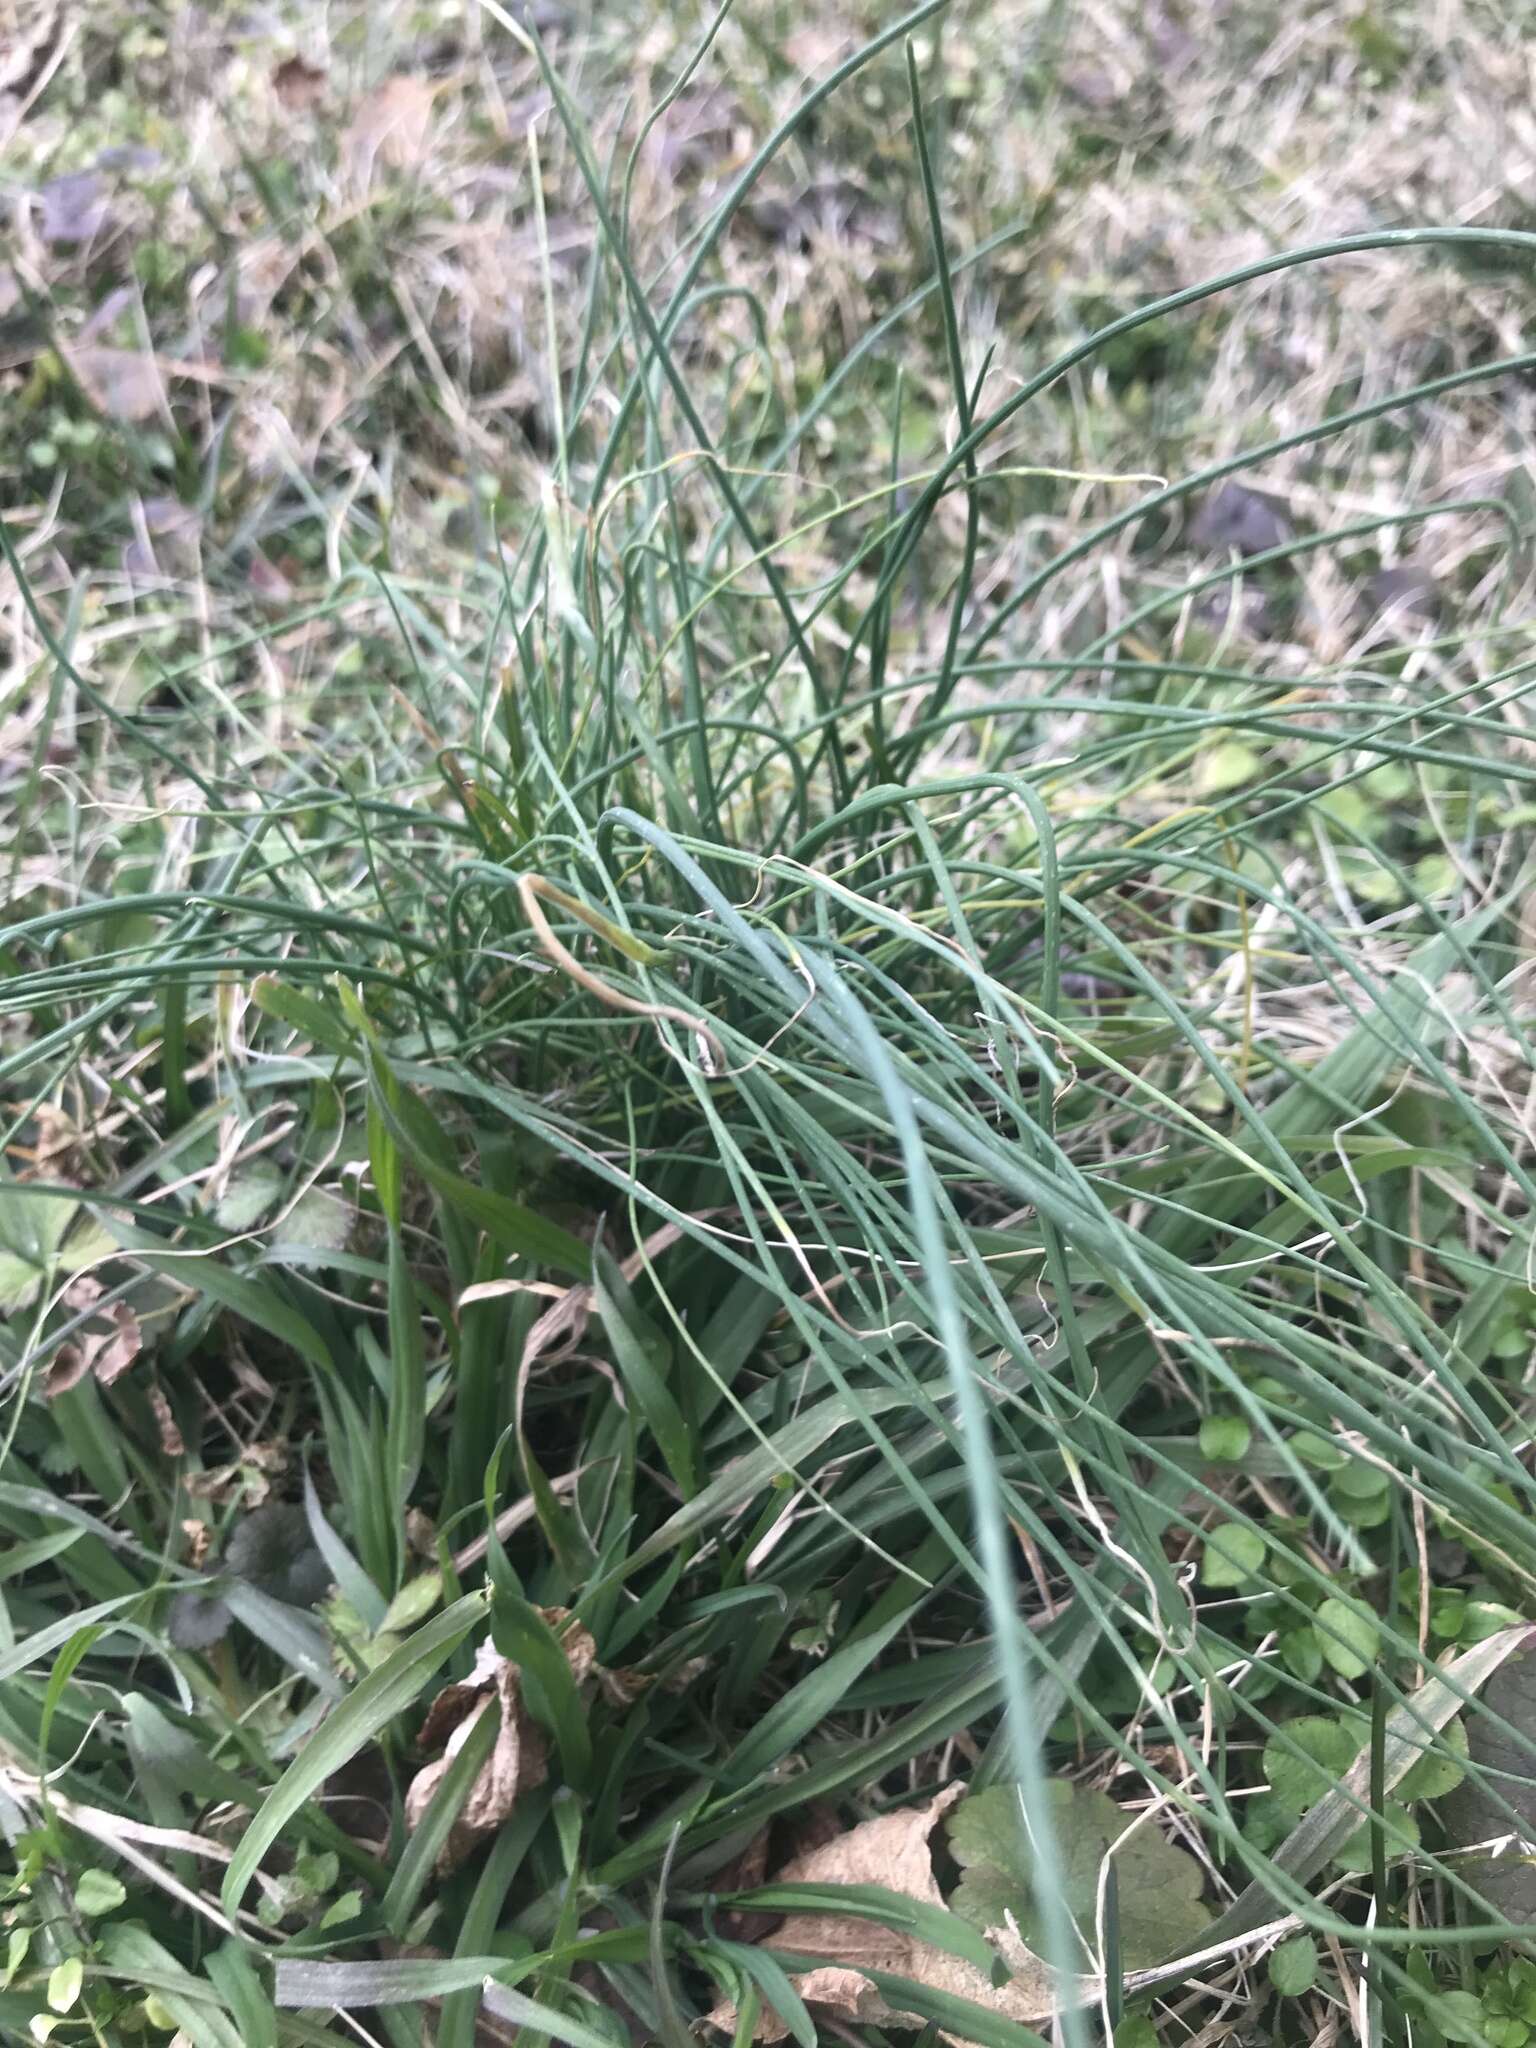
<point>765,1260</point>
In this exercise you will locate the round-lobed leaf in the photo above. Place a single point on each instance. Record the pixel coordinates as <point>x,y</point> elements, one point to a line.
<point>1157,1884</point>
<point>1349,1639</point>
<point>1233,1553</point>
<point>1293,1966</point>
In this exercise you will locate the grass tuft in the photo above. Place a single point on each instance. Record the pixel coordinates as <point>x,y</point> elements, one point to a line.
<point>765,1026</point>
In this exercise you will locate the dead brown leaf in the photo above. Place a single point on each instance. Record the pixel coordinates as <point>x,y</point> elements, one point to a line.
<point>299,86</point>
<point>891,1851</point>
<point>172,1443</point>
<point>391,128</point>
<point>623,1687</point>
<point>519,1761</point>
<point>248,1481</point>
<point>124,382</point>
<point>268,582</point>
<point>107,1346</point>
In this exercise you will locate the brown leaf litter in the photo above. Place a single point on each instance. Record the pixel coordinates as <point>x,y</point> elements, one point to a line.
<point>891,1851</point>
<point>391,129</point>
<point>519,1761</point>
<point>299,86</point>
<point>107,1346</point>
<point>125,383</point>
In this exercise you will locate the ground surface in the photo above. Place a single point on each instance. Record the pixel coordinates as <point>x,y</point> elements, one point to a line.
<point>850,954</point>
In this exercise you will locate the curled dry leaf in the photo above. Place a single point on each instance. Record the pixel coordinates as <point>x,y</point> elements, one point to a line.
<point>106,1347</point>
<point>519,1761</point>
<point>893,1852</point>
<point>391,128</point>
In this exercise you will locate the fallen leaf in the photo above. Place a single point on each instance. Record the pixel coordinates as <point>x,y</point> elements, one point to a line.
<point>249,1480</point>
<point>892,1852</point>
<point>299,86</point>
<point>106,1350</point>
<point>124,382</point>
<point>1233,517</point>
<point>74,208</point>
<point>267,582</point>
<point>122,1347</point>
<point>1158,1884</point>
<point>391,127</point>
<point>172,1443</point>
<point>519,1761</point>
<point>623,1687</point>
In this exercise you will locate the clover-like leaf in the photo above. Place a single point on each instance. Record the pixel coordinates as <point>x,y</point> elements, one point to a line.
<point>1439,1769</point>
<point>1308,1756</point>
<point>1158,1885</point>
<point>1348,1637</point>
<point>1233,1553</point>
<point>1402,1833</point>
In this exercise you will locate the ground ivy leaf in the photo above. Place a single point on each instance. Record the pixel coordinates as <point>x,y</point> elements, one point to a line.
<point>1439,1770</point>
<point>1159,1885</point>
<point>1348,1638</point>
<point>1233,1553</point>
<point>1293,1966</point>
<point>1328,1747</point>
<point>1402,1835</point>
